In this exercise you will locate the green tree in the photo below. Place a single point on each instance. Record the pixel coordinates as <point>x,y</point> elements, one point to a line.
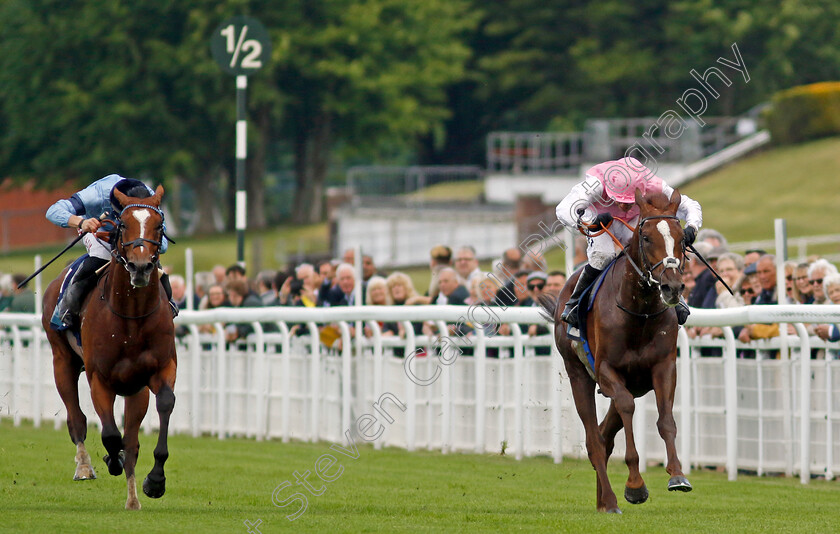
<point>92,88</point>
<point>363,73</point>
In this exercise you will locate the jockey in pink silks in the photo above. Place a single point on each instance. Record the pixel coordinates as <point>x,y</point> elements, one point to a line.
<point>608,192</point>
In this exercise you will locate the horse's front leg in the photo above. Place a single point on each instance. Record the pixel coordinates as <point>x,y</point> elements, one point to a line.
<point>664,385</point>
<point>162,385</point>
<point>135,410</point>
<point>103,402</point>
<point>583,391</point>
<point>609,428</point>
<point>613,386</point>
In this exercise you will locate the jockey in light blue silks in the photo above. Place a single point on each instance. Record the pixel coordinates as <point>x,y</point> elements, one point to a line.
<point>83,211</point>
<point>608,192</point>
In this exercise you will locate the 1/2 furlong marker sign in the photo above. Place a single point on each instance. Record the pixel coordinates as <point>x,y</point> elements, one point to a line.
<point>241,46</point>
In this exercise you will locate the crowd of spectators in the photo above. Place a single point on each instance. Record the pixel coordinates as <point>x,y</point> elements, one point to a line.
<point>752,278</point>
<point>456,278</point>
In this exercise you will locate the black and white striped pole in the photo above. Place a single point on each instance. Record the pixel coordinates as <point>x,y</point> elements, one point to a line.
<point>240,45</point>
<point>241,156</point>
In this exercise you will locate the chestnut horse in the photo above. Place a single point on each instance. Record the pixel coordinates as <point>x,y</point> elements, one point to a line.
<point>128,348</point>
<point>632,332</point>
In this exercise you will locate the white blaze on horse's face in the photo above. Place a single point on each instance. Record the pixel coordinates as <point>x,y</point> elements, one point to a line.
<point>142,216</point>
<point>670,262</point>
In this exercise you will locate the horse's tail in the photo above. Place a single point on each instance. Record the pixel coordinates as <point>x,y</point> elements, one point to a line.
<point>548,302</point>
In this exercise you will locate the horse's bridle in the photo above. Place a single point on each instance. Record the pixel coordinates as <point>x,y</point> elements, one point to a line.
<point>140,241</point>
<point>667,262</point>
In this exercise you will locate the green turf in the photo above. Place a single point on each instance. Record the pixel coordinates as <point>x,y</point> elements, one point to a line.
<point>214,486</point>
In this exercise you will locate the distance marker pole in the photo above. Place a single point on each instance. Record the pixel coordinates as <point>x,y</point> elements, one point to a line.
<point>241,156</point>
<point>240,45</point>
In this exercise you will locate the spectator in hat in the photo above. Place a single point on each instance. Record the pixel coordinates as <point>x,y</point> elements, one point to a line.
<point>752,255</point>
<point>536,285</point>
<point>749,284</point>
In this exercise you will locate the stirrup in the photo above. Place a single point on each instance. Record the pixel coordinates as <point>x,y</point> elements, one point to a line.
<point>569,315</point>
<point>67,318</point>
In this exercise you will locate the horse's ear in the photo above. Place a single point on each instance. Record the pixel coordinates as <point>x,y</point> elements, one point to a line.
<point>676,198</point>
<point>158,195</point>
<point>121,197</point>
<point>640,197</point>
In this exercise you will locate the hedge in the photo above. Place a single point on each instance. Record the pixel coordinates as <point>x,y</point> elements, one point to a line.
<point>805,112</point>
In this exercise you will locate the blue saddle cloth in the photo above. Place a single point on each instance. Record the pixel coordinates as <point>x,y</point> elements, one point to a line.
<point>55,320</point>
<point>588,298</point>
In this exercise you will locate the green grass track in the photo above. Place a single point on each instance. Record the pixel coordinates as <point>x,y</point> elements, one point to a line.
<point>215,486</point>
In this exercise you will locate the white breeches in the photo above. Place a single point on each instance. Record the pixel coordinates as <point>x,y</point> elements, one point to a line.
<point>95,247</point>
<point>602,249</point>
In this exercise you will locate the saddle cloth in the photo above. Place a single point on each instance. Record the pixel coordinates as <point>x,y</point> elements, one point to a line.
<point>55,320</point>
<point>587,300</point>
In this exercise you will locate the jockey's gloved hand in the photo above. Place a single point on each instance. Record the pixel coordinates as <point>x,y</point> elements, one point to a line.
<point>602,220</point>
<point>89,225</point>
<point>690,234</point>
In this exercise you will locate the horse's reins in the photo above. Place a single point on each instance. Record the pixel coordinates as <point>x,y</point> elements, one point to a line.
<point>649,280</point>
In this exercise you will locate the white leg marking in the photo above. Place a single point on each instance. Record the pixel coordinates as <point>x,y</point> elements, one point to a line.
<point>84,471</point>
<point>132,503</point>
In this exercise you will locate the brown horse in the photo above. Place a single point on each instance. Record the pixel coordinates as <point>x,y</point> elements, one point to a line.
<point>632,333</point>
<point>128,348</point>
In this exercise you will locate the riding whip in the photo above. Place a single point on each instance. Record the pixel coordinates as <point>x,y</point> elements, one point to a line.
<point>33,275</point>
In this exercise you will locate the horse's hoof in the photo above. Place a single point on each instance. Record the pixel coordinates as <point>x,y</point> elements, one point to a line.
<point>116,467</point>
<point>132,504</point>
<point>153,489</point>
<point>679,483</point>
<point>636,495</point>
<point>615,510</point>
<point>85,473</point>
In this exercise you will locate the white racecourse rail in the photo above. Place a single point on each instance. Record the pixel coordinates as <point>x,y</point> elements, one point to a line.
<point>734,412</point>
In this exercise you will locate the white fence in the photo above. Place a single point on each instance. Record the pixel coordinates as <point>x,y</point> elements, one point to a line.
<point>738,413</point>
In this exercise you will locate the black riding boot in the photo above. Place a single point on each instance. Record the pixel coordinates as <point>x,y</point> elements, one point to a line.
<point>682,311</point>
<point>164,281</point>
<point>586,278</point>
<point>74,296</point>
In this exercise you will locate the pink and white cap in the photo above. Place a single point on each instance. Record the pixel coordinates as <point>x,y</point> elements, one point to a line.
<point>622,177</point>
